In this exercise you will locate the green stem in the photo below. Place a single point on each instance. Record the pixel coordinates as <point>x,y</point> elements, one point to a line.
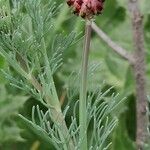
<point>57,115</point>
<point>83,88</point>
<point>54,101</point>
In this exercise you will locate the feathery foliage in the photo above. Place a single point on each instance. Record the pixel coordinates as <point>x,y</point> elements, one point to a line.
<point>29,43</point>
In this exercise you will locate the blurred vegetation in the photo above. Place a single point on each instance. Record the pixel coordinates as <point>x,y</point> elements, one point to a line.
<point>114,71</point>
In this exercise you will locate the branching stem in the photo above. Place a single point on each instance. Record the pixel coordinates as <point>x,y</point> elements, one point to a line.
<point>137,61</point>
<point>115,47</point>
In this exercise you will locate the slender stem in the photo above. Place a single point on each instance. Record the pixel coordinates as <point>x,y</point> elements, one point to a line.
<point>54,101</point>
<point>140,77</point>
<point>83,88</point>
<point>115,47</point>
<point>57,115</point>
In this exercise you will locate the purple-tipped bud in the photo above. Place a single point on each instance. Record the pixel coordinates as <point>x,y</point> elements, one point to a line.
<point>86,8</point>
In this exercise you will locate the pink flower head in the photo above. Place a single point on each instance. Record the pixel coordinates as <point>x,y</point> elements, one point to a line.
<point>86,8</point>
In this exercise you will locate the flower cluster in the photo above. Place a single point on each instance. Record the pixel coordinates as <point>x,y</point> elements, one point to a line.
<point>86,8</point>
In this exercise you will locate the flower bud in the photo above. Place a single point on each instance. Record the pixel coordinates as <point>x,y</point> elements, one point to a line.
<point>86,8</point>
